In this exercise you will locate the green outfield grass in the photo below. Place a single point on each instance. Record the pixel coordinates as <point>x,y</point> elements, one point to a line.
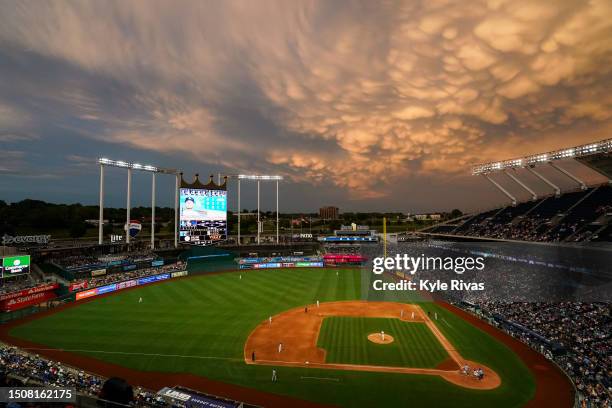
<point>345,340</point>
<point>199,325</point>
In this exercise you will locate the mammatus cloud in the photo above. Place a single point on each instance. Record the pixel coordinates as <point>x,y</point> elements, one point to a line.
<point>361,94</point>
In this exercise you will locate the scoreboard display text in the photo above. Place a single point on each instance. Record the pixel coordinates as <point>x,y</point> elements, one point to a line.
<point>203,216</point>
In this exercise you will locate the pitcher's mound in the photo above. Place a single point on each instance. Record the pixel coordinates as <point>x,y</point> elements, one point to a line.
<point>377,338</point>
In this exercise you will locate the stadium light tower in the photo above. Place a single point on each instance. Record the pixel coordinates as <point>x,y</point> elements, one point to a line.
<point>104,162</point>
<point>581,154</point>
<point>259,178</point>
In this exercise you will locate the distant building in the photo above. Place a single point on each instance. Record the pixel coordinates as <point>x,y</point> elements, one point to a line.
<point>329,213</point>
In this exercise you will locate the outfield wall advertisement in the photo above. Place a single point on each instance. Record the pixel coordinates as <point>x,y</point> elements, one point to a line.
<point>23,298</point>
<point>78,286</point>
<point>101,290</point>
<point>268,265</point>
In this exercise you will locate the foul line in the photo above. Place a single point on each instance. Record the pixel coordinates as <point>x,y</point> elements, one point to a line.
<point>320,378</point>
<point>132,353</point>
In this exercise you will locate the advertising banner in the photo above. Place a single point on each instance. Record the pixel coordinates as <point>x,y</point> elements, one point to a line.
<point>27,300</point>
<point>15,265</point>
<point>193,399</point>
<point>343,258</point>
<point>86,294</point>
<point>108,288</point>
<point>78,286</point>
<point>144,281</point>
<point>179,273</point>
<point>25,239</point>
<point>129,267</point>
<point>127,284</point>
<point>158,262</point>
<point>309,264</point>
<point>98,272</point>
<point>27,292</point>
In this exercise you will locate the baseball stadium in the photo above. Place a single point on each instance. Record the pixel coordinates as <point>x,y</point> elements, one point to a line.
<point>220,332</point>
<point>305,204</point>
<point>206,318</point>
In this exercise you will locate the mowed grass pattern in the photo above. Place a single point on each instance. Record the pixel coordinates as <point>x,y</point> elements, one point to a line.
<point>345,341</point>
<point>199,325</point>
<point>206,319</point>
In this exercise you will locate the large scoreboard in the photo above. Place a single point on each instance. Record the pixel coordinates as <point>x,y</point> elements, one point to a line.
<point>14,265</point>
<point>203,215</point>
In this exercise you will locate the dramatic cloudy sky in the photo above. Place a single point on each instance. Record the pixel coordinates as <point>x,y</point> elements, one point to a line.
<point>368,105</point>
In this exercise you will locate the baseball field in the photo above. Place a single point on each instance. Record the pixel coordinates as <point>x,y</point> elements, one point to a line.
<point>217,328</point>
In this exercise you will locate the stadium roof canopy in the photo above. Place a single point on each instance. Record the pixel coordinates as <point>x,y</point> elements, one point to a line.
<point>596,155</point>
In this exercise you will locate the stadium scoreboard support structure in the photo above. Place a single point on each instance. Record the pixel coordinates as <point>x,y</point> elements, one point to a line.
<point>104,162</point>
<point>582,154</point>
<point>259,178</point>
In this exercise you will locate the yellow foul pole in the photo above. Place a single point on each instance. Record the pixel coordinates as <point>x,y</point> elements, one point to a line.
<point>385,236</point>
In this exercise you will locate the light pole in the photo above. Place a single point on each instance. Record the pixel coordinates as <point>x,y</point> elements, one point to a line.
<point>176,216</point>
<point>129,199</point>
<point>152,210</point>
<point>101,219</point>
<point>258,224</point>
<point>277,212</point>
<point>259,178</point>
<point>238,212</point>
<point>104,162</point>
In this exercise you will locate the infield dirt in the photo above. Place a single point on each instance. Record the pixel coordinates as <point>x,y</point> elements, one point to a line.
<point>298,330</point>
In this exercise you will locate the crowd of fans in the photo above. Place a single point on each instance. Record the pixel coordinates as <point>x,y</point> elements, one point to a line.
<point>578,339</point>
<point>16,284</point>
<point>567,218</point>
<point>527,229</point>
<point>123,276</point>
<point>530,292</point>
<point>83,260</point>
<point>19,368</point>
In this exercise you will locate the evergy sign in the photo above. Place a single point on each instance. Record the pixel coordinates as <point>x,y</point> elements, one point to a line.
<point>25,239</point>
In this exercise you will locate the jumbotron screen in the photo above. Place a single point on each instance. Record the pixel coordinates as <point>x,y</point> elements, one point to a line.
<point>203,216</point>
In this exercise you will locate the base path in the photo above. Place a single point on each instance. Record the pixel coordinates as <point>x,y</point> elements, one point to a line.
<point>298,330</point>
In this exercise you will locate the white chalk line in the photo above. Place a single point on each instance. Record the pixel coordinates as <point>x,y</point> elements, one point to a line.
<point>320,378</point>
<point>127,353</point>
